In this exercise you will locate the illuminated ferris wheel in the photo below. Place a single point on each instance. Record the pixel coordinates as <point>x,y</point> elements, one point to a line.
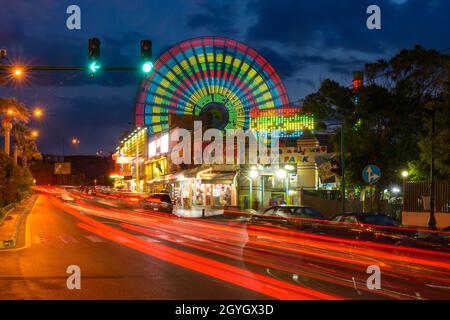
<point>215,79</point>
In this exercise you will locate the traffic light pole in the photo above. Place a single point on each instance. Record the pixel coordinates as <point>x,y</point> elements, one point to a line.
<point>66,68</point>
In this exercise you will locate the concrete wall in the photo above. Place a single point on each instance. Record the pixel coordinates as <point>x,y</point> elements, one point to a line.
<point>420,219</point>
<point>330,207</point>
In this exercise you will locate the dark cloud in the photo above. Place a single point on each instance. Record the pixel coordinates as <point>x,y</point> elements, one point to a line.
<point>216,17</point>
<point>307,82</point>
<point>284,66</point>
<point>342,24</point>
<point>305,41</point>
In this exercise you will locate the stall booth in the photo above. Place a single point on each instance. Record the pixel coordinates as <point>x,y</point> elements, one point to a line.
<point>203,191</point>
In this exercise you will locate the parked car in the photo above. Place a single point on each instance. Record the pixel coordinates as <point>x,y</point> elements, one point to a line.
<point>158,202</point>
<point>294,216</point>
<point>366,226</point>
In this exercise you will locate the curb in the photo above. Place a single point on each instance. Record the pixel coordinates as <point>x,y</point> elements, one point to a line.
<point>11,243</point>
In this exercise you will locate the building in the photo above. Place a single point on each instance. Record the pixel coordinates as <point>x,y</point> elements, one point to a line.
<point>80,170</point>
<point>228,86</point>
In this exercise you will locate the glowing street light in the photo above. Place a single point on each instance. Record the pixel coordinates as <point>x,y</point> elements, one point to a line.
<point>75,141</point>
<point>405,174</point>
<point>281,173</point>
<point>35,133</point>
<point>17,72</point>
<point>395,190</point>
<point>38,112</point>
<point>289,167</point>
<point>253,173</point>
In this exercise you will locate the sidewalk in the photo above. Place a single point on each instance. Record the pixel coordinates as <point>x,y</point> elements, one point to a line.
<point>9,228</point>
<point>197,212</point>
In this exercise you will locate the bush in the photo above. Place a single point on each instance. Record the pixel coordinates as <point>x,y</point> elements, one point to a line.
<point>15,181</point>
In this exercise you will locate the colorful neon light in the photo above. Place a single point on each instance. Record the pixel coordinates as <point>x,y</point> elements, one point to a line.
<point>197,72</point>
<point>288,121</point>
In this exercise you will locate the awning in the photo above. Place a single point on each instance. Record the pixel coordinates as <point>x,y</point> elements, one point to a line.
<point>207,175</point>
<point>218,178</point>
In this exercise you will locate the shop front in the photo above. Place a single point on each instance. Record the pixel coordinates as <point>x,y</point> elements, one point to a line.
<point>203,191</point>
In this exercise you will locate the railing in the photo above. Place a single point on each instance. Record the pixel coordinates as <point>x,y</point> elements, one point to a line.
<point>417,196</point>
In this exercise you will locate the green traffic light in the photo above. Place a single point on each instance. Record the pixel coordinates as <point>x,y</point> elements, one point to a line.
<point>147,67</point>
<point>94,66</point>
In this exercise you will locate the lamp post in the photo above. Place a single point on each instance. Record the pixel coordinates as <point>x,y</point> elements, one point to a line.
<point>432,220</point>
<point>253,174</point>
<point>405,175</point>
<point>281,173</point>
<point>431,113</point>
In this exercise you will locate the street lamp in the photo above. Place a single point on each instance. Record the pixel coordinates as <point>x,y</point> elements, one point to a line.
<point>281,173</point>
<point>289,167</point>
<point>75,141</point>
<point>17,72</point>
<point>405,174</point>
<point>38,113</point>
<point>395,190</point>
<point>34,133</point>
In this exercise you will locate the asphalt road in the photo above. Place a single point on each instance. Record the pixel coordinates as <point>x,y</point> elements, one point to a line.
<point>138,254</point>
<point>109,270</point>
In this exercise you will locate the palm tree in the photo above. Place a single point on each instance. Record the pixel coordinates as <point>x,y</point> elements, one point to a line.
<point>11,111</point>
<point>24,144</point>
<point>29,151</point>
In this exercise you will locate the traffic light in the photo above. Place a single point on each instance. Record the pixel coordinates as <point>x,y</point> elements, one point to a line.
<point>335,167</point>
<point>358,82</point>
<point>146,56</point>
<point>94,55</point>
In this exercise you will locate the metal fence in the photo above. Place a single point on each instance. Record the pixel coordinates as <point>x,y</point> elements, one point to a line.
<point>417,196</point>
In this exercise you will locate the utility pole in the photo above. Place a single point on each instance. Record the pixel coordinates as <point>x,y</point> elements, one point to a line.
<point>342,168</point>
<point>138,187</point>
<point>432,219</point>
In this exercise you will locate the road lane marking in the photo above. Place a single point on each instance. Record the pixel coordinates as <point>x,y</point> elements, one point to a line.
<point>122,239</point>
<point>68,239</point>
<point>148,239</point>
<point>40,239</point>
<point>94,239</point>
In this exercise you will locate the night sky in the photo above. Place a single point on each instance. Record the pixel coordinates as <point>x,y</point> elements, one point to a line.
<point>306,42</point>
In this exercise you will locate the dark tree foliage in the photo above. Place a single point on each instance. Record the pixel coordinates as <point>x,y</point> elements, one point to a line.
<point>15,180</point>
<point>388,127</point>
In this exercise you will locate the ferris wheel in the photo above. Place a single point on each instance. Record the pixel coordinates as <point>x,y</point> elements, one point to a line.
<point>216,79</point>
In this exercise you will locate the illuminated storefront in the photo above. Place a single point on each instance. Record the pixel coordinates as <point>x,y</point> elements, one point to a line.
<point>204,190</point>
<point>129,159</point>
<point>157,163</point>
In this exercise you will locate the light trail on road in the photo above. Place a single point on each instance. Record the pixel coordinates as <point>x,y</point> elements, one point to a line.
<point>298,264</point>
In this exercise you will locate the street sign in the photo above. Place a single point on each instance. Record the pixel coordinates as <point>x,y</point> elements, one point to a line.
<point>371,174</point>
<point>62,168</point>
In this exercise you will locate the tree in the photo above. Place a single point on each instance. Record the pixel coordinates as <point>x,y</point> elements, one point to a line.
<point>421,77</point>
<point>14,180</point>
<point>384,128</point>
<point>11,111</point>
<point>24,144</point>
